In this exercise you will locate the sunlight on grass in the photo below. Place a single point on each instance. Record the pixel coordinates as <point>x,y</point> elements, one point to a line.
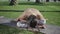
<point>53,17</point>
<point>23,7</point>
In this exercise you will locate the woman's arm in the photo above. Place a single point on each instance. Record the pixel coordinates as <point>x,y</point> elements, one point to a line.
<point>22,18</point>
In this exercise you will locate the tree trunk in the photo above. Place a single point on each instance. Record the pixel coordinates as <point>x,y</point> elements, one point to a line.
<point>37,1</point>
<point>12,2</point>
<point>54,0</point>
<point>28,0</point>
<point>58,0</point>
<point>47,0</point>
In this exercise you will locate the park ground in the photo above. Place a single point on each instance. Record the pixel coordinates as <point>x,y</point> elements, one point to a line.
<point>51,11</point>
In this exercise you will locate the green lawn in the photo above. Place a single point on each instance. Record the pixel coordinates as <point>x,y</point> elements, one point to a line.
<point>53,17</point>
<point>48,6</point>
<point>11,30</point>
<point>22,7</point>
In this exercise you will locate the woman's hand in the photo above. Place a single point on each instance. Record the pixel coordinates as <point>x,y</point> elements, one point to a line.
<point>23,20</point>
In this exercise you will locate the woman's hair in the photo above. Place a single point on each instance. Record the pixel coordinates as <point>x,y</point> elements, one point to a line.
<point>35,12</point>
<point>32,21</point>
<point>30,11</point>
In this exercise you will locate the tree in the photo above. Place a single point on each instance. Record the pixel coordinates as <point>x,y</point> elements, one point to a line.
<point>58,0</point>
<point>54,0</point>
<point>13,2</point>
<point>28,0</point>
<point>47,0</point>
<point>37,1</point>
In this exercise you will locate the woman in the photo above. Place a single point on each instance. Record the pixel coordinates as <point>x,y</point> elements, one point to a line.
<point>31,11</point>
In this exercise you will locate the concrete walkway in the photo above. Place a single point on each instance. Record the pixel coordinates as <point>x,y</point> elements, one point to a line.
<point>51,29</point>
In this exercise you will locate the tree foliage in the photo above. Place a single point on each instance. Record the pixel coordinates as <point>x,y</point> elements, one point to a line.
<point>37,1</point>
<point>13,2</point>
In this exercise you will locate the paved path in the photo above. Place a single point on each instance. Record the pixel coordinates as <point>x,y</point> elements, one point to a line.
<point>51,29</point>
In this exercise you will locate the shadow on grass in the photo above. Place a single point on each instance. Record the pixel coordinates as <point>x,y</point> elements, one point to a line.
<point>23,11</point>
<point>4,29</point>
<point>11,30</point>
<point>32,3</point>
<point>4,3</point>
<point>41,3</point>
<point>24,3</point>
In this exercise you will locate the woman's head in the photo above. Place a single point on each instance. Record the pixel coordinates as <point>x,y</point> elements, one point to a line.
<point>32,21</point>
<point>31,17</point>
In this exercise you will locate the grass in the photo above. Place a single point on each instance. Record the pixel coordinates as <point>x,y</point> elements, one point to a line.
<point>10,14</point>
<point>53,17</point>
<point>22,7</point>
<point>10,30</point>
<point>48,6</point>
